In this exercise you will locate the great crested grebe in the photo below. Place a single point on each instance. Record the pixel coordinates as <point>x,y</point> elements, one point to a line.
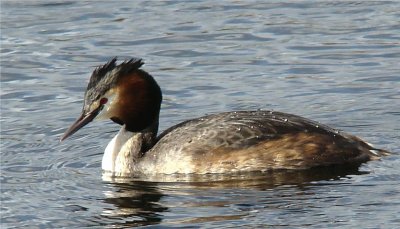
<point>219,143</point>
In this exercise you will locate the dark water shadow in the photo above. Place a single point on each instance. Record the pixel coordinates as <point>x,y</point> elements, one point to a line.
<point>136,201</point>
<point>134,204</point>
<point>271,179</point>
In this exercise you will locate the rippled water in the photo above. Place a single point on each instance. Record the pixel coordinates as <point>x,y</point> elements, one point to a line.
<point>335,62</point>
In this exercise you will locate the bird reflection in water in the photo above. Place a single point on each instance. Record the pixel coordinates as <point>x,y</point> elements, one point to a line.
<point>141,201</point>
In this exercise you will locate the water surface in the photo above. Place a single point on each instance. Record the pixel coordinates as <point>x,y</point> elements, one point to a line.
<point>334,62</point>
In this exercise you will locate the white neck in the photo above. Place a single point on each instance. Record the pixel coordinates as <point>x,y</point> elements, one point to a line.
<point>122,153</point>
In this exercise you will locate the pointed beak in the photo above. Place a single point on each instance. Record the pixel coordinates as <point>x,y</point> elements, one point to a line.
<point>81,122</point>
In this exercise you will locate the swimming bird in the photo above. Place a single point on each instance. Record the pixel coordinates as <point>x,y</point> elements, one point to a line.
<point>229,142</point>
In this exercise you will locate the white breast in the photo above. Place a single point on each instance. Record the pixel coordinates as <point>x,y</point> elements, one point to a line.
<point>114,154</point>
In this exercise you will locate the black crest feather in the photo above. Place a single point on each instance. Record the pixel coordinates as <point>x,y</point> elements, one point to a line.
<point>124,68</point>
<point>101,71</point>
<point>130,65</point>
<point>105,76</point>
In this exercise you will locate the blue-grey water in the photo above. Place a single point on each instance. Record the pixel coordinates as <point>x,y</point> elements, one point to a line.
<point>336,62</point>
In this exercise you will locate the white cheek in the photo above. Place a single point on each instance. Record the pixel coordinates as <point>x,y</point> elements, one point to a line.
<point>106,112</point>
<point>103,114</point>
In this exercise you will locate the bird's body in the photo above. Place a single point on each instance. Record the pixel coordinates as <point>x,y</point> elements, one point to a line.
<point>227,142</point>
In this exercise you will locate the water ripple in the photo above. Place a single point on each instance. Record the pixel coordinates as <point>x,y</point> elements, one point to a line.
<point>333,61</point>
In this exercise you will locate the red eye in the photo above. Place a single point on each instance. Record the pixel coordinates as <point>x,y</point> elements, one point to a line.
<point>103,101</point>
